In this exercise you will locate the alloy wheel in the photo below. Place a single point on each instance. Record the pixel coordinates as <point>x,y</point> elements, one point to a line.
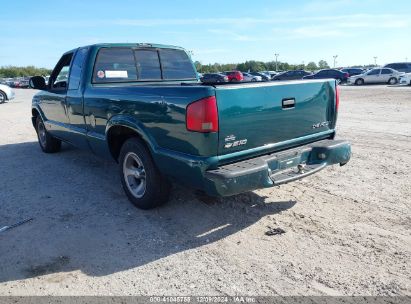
<point>134,174</point>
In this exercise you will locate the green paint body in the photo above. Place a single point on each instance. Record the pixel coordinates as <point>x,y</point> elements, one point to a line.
<point>155,111</point>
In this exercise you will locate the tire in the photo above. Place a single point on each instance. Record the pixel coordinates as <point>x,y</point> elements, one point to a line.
<point>392,80</point>
<point>144,185</point>
<point>48,143</point>
<point>3,97</point>
<point>234,80</point>
<point>253,80</point>
<point>359,81</point>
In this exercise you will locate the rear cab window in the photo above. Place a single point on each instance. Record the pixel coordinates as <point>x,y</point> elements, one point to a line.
<point>176,65</point>
<point>127,64</point>
<point>115,65</point>
<point>148,65</point>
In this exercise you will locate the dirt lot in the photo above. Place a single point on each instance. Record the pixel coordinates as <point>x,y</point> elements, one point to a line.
<point>348,229</point>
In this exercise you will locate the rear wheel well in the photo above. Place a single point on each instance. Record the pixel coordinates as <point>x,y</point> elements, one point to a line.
<point>117,136</point>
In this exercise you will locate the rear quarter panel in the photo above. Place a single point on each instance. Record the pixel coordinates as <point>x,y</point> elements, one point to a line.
<point>156,110</point>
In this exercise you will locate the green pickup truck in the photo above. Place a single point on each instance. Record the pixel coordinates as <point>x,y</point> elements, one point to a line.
<point>143,106</point>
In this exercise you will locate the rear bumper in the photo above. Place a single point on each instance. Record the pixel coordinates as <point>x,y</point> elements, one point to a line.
<point>277,168</point>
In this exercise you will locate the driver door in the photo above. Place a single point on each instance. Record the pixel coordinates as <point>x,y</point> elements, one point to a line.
<point>53,101</point>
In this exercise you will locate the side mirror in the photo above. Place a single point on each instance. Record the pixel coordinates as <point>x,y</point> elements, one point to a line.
<point>38,83</point>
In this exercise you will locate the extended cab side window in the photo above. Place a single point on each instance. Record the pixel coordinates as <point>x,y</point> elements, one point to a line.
<point>176,65</point>
<point>114,65</point>
<point>59,76</point>
<point>148,65</point>
<point>77,68</point>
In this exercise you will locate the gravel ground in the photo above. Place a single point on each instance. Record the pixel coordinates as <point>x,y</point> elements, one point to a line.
<point>347,229</point>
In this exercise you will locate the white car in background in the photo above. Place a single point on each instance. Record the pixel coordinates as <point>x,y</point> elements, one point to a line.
<point>6,93</point>
<point>405,79</point>
<point>376,75</point>
<point>249,77</point>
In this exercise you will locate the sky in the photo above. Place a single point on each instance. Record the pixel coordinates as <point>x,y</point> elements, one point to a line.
<point>224,31</point>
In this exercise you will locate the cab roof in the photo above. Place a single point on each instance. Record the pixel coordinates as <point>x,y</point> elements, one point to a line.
<point>135,45</point>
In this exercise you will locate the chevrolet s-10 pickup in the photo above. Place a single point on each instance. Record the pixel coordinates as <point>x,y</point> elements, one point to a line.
<point>144,106</point>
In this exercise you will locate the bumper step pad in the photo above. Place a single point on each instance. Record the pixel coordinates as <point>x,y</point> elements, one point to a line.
<point>293,174</point>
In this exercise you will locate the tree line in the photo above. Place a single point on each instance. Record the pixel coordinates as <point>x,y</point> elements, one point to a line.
<point>256,66</point>
<point>14,71</point>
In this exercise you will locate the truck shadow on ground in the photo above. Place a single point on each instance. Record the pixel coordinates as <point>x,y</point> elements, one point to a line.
<point>83,221</point>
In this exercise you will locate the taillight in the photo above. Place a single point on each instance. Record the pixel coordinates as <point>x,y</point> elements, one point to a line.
<point>347,75</point>
<point>202,115</point>
<point>337,97</point>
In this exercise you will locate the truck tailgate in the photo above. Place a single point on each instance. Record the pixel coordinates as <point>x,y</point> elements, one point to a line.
<point>256,115</point>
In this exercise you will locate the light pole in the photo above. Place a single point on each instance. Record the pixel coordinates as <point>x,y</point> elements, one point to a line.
<point>276,62</point>
<point>335,60</point>
<point>375,60</point>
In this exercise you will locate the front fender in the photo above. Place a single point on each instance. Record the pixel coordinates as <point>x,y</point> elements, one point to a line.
<point>35,107</point>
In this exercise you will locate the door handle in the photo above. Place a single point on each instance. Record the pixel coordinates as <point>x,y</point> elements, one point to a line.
<point>288,103</point>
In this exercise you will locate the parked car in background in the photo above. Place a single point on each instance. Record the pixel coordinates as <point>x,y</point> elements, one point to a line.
<point>263,76</point>
<point>376,75</point>
<point>353,71</point>
<point>339,76</point>
<point>249,77</point>
<point>11,83</point>
<point>6,93</point>
<point>24,83</point>
<point>405,79</point>
<point>291,75</point>
<point>214,78</point>
<point>270,73</point>
<point>400,66</point>
<point>234,76</point>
